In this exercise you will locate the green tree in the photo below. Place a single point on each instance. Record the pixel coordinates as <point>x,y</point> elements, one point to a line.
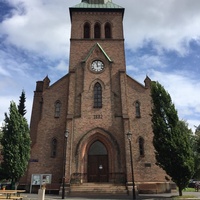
<point>196,149</point>
<point>1,172</point>
<point>198,128</point>
<point>1,134</point>
<point>16,144</point>
<point>171,138</point>
<point>21,106</point>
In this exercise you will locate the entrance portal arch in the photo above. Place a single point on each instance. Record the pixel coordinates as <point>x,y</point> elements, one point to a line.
<point>97,167</point>
<point>110,149</point>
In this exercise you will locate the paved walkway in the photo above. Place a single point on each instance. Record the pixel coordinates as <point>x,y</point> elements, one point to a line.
<point>141,196</point>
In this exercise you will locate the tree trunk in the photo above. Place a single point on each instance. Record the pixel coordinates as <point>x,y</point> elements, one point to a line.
<point>14,184</point>
<point>180,191</point>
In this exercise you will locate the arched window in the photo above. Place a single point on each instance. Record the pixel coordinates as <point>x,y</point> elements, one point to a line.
<point>53,147</point>
<point>137,109</point>
<point>97,30</point>
<point>141,146</point>
<point>57,109</point>
<point>97,95</point>
<point>87,30</point>
<point>97,148</point>
<point>107,30</point>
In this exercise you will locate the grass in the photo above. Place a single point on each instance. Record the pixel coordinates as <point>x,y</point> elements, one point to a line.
<point>184,197</point>
<point>189,190</point>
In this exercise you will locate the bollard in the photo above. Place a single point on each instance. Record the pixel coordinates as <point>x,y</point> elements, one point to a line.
<point>41,192</point>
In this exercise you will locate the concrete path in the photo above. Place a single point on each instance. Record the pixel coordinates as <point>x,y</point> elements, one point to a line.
<point>141,196</point>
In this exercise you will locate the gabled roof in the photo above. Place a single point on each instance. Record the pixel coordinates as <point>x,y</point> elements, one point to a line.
<point>147,82</point>
<point>102,50</point>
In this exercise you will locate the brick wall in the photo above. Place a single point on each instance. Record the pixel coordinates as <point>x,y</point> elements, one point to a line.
<point>87,124</point>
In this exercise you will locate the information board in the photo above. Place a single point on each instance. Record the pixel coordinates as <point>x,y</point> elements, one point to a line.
<point>40,179</point>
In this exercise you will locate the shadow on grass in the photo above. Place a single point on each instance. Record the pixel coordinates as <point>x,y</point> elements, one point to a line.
<point>184,197</point>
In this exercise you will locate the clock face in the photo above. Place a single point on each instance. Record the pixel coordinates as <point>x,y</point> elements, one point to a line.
<point>97,66</point>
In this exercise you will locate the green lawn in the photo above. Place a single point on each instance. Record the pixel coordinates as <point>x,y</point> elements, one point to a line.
<point>184,197</point>
<point>189,190</point>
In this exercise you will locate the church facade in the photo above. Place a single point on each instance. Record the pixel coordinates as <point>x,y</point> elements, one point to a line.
<point>79,124</point>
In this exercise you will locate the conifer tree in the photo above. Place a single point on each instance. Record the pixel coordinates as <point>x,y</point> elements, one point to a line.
<point>16,145</point>
<point>21,106</point>
<point>1,171</point>
<point>196,149</point>
<point>171,138</point>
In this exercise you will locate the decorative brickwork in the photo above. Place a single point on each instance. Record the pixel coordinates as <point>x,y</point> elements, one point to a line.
<point>108,123</point>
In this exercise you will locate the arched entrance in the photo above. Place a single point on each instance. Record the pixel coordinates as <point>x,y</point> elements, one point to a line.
<point>97,168</point>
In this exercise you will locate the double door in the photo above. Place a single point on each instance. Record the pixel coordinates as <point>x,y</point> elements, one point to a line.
<point>97,168</point>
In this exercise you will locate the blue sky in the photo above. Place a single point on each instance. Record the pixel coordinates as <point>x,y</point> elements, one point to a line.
<point>162,40</point>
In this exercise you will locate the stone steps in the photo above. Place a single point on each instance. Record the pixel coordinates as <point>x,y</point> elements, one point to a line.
<point>98,188</point>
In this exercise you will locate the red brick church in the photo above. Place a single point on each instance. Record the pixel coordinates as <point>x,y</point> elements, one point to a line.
<point>79,124</point>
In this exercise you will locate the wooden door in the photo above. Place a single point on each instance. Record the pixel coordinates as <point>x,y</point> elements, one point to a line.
<point>97,163</point>
<point>97,168</point>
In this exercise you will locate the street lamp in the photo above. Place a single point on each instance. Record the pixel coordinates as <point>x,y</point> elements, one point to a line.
<point>129,135</point>
<point>64,162</point>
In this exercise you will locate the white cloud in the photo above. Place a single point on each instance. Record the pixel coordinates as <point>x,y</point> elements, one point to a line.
<point>5,104</point>
<point>183,88</point>
<point>149,61</point>
<point>183,91</point>
<point>3,71</point>
<point>132,68</point>
<point>170,25</point>
<point>62,66</point>
<point>42,27</point>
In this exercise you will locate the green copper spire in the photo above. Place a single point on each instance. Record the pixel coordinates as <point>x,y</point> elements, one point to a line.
<point>97,4</point>
<point>96,1</point>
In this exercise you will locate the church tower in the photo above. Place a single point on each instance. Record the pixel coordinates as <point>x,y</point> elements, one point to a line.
<point>80,124</point>
<point>95,112</point>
